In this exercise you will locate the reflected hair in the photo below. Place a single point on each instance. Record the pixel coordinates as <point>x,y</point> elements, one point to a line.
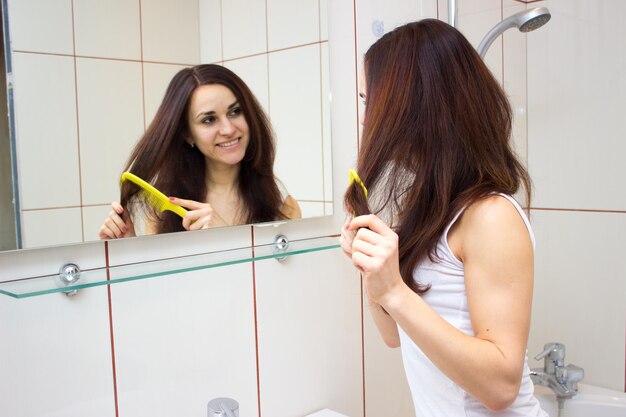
<point>437,119</point>
<point>165,159</point>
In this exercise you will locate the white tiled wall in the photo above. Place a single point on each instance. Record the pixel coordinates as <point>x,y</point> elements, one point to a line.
<point>306,344</point>
<point>576,98</point>
<point>111,63</point>
<point>104,146</point>
<point>93,32</point>
<point>56,356</point>
<point>184,340</point>
<point>47,149</point>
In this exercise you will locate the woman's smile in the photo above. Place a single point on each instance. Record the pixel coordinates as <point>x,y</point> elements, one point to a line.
<point>229,144</point>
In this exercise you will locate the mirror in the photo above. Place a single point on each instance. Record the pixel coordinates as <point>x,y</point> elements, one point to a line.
<point>85,78</point>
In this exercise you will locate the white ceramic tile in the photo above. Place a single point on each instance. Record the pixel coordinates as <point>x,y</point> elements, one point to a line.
<point>171,31</point>
<point>107,29</point>
<point>478,6</point>
<point>386,389</point>
<point>309,329</point>
<point>376,17</point>
<point>243,28</point>
<point>253,71</point>
<point>93,218</point>
<point>48,261</point>
<point>514,76</point>
<point>428,9</point>
<point>295,85</point>
<point>476,23</point>
<point>51,227</point>
<point>41,26</point>
<point>156,78</point>
<point>110,114</point>
<point>292,23</point>
<point>171,245</point>
<point>56,356</point>
<point>182,340</point>
<point>46,129</point>
<point>323,20</point>
<point>576,97</point>
<point>580,291</point>
<point>210,22</point>
<point>328,209</point>
<point>311,208</point>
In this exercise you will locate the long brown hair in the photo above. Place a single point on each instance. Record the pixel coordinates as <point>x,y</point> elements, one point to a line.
<point>436,115</point>
<point>163,157</point>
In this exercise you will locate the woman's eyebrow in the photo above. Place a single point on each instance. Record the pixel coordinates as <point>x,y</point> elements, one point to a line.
<point>211,112</point>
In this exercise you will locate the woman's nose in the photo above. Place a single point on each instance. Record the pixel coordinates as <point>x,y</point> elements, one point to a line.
<point>226,128</point>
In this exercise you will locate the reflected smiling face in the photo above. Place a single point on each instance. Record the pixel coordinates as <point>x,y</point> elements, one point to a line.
<point>217,124</point>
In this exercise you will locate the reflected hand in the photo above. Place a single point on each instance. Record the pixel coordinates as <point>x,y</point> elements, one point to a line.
<point>117,224</point>
<point>375,254</point>
<point>198,216</point>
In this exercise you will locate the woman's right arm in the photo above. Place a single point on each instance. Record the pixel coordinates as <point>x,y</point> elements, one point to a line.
<point>386,325</point>
<point>117,224</point>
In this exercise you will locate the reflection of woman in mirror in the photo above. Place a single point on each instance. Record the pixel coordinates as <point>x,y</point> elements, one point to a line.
<point>445,252</point>
<point>210,147</point>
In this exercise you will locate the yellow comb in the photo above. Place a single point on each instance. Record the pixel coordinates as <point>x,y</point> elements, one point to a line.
<point>153,196</point>
<point>354,177</point>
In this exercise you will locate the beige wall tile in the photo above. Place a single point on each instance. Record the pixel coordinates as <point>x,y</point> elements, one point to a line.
<point>111,121</point>
<point>243,28</point>
<point>51,344</point>
<point>171,31</point>
<point>183,340</point>
<point>291,23</point>
<point>210,31</point>
<point>580,291</point>
<point>51,227</point>
<point>46,130</point>
<point>107,29</point>
<point>309,322</point>
<point>41,26</point>
<point>296,114</point>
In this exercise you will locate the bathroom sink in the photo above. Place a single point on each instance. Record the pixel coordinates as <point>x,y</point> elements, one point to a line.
<point>591,401</point>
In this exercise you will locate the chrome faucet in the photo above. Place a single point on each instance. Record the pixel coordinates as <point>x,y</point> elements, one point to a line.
<point>561,379</point>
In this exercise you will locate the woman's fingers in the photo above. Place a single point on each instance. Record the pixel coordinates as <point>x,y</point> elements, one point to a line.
<point>371,222</point>
<point>115,225</point>
<point>188,204</point>
<point>346,239</point>
<point>199,215</point>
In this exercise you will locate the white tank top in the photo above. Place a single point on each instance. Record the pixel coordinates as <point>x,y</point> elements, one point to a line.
<point>434,394</point>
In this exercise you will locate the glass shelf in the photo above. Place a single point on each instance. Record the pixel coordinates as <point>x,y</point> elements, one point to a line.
<point>32,287</point>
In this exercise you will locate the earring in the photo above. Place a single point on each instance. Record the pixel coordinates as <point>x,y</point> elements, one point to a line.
<point>191,144</point>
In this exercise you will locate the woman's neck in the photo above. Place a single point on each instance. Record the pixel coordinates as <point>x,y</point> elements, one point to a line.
<point>223,195</point>
<point>222,179</point>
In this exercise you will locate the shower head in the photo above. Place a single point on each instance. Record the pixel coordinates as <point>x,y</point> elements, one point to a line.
<point>525,21</point>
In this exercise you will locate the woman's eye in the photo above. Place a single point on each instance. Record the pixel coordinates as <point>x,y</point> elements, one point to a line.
<point>208,120</point>
<point>236,111</point>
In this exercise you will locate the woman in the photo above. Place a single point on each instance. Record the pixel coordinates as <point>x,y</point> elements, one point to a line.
<point>210,147</point>
<point>446,254</point>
